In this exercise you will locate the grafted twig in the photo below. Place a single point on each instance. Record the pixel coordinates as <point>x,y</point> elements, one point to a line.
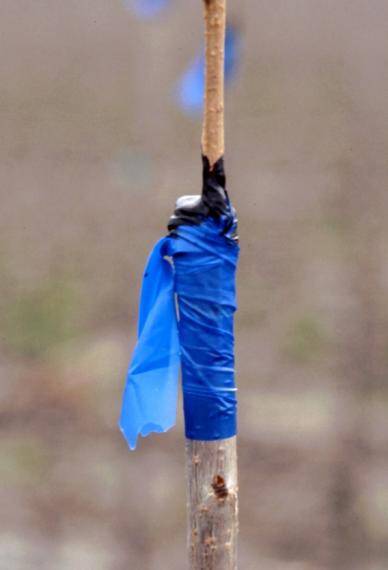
<point>212,465</point>
<point>213,123</point>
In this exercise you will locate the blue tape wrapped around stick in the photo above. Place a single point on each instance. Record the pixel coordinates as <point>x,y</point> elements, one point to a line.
<point>195,264</point>
<point>205,264</point>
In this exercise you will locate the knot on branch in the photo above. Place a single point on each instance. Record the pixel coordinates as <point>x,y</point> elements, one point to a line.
<point>219,487</point>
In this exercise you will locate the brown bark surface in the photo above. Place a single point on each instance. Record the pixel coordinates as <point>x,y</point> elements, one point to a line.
<point>212,504</point>
<point>213,124</point>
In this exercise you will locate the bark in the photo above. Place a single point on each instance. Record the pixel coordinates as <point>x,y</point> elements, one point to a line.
<point>213,123</point>
<point>212,504</point>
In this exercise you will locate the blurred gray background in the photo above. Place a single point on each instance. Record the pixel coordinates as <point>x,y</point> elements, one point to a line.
<point>94,152</point>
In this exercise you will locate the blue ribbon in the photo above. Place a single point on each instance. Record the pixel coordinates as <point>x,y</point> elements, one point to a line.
<point>195,265</point>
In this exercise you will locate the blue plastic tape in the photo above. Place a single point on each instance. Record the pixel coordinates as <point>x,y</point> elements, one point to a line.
<point>201,340</point>
<point>205,266</point>
<point>150,396</point>
<point>146,9</point>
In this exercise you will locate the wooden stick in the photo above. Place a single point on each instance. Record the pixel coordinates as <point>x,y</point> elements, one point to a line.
<point>212,465</point>
<point>213,121</point>
<point>212,504</point>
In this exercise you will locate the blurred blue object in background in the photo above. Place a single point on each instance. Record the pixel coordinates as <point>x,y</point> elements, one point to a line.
<point>146,8</point>
<point>192,83</point>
